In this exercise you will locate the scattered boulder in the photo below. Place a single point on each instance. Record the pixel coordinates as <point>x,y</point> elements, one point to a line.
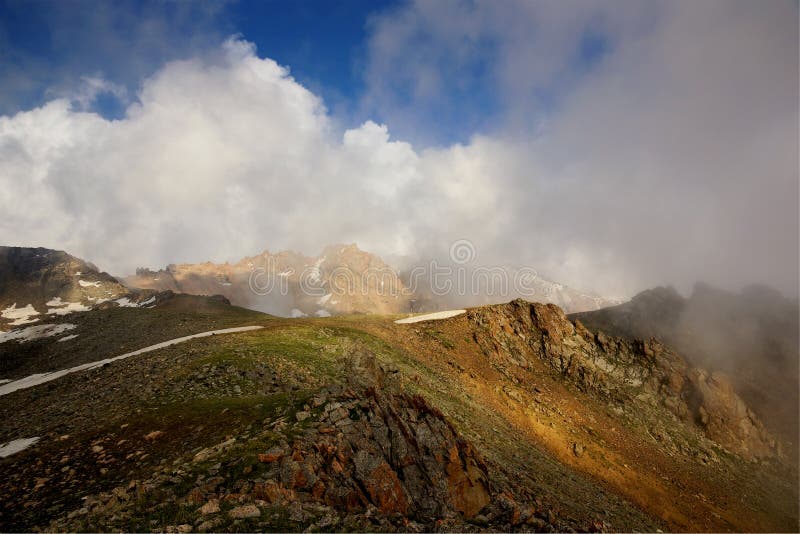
<point>211,507</point>
<point>244,512</point>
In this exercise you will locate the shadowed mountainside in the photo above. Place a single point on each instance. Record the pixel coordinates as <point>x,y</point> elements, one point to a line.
<point>751,336</point>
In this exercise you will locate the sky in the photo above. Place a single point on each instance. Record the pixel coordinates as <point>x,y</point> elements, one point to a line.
<point>613,146</point>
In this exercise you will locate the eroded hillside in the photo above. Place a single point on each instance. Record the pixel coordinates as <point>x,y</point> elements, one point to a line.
<point>506,417</point>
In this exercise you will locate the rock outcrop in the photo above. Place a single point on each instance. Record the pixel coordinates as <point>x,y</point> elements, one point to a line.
<point>621,370</point>
<point>752,336</point>
<point>374,447</point>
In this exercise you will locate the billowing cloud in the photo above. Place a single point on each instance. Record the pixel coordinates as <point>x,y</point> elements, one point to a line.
<point>670,159</point>
<point>644,143</point>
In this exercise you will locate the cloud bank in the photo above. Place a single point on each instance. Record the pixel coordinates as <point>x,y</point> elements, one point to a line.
<point>670,157</point>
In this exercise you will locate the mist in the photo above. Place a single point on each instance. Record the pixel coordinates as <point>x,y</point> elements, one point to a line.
<point>669,157</point>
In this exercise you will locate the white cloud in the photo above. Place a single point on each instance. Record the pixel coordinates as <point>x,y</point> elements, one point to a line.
<point>673,159</point>
<point>222,156</point>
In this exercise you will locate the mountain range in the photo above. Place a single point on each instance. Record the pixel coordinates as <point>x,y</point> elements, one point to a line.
<point>167,407</point>
<point>344,279</point>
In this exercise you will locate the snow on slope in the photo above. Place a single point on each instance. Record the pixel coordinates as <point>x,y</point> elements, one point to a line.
<point>41,378</point>
<point>15,446</point>
<point>431,316</point>
<point>35,332</point>
<point>20,315</point>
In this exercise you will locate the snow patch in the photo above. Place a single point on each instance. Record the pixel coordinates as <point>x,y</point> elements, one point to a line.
<point>23,321</point>
<point>20,315</point>
<point>67,338</point>
<point>315,274</point>
<point>431,316</point>
<point>84,283</point>
<point>5,380</point>
<point>35,332</point>
<point>41,378</point>
<point>125,302</point>
<point>15,446</point>
<point>67,308</point>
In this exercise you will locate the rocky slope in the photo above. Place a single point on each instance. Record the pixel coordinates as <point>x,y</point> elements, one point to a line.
<point>39,284</point>
<point>342,280</point>
<point>751,336</point>
<point>508,417</point>
<point>109,330</point>
<point>644,373</point>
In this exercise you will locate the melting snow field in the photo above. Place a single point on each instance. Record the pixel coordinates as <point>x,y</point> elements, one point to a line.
<point>13,447</point>
<point>20,315</point>
<point>125,302</point>
<point>431,316</point>
<point>84,283</point>
<point>67,308</point>
<point>35,332</point>
<point>41,378</point>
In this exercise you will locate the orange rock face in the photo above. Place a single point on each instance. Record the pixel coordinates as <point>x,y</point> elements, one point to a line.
<point>511,334</point>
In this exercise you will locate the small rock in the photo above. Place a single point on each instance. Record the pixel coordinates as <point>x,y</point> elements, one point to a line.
<point>152,436</point>
<point>480,520</point>
<point>211,507</point>
<point>577,449</point>
<point>242,512</point>
<point>272,455</point>
<point>302,416</point>
<point>184,528</point>
<point>206,526</point>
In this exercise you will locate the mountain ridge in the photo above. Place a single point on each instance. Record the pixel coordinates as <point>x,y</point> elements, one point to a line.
<point>510,417</point>
<point>752,336</point>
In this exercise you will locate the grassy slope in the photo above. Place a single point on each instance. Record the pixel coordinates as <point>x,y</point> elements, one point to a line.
<point>104,333</point>
<point>622,452</point>
<point>249,385</point>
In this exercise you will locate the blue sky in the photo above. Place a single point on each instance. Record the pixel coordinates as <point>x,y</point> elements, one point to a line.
<point>47,48</point>
<point>45,44</point>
